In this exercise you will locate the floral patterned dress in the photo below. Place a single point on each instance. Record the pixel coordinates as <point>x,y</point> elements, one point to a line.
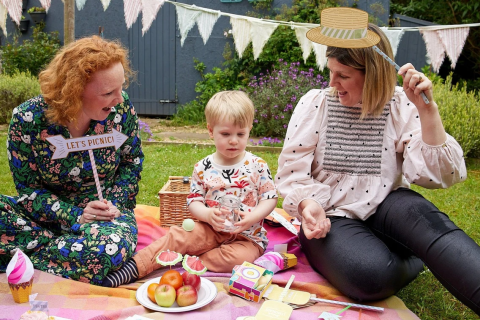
<point>43,220</point>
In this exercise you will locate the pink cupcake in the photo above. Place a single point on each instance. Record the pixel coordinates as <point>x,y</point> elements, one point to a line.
<point>20,276</point>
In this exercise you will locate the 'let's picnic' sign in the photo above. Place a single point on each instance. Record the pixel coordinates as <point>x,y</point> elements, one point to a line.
<point>64,146</point>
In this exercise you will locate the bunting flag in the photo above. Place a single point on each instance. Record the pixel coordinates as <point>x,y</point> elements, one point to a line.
<point>149,12</point>
<point>132,9</point>
<point>394,36</point>
<point>46,4</point>
<point>205,23</point>
<point>453,41</point>
<point>320,55</point>
<point>80,4</point>
<point>241,33</point>
<point>260,32</point>
<point>186,20</point>
<point>3,18</point>
<point>435,50</point>
<point>439,42</point>
<point>105,4</point>
<point>305,44</point>
<point>14,9</point>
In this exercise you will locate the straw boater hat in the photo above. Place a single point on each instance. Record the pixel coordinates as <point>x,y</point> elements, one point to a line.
<point>343,28</point>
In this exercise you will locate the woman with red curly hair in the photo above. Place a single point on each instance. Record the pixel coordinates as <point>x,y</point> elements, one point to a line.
<point>57,219</point>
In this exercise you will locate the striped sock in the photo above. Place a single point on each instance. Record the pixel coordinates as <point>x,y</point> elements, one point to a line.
<point>126,274</point>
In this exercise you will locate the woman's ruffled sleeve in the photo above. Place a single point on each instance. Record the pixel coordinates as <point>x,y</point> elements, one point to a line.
<point>425,165</point>
<point>294,175</point>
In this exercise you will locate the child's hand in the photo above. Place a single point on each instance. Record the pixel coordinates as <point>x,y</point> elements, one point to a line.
<point>246,221</point>
<point>216,219</point>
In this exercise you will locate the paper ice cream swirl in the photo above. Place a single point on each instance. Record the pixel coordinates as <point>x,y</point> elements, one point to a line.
<point>20,268</point>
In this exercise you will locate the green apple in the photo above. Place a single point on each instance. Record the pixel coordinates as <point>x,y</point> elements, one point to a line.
<point>165,295</point>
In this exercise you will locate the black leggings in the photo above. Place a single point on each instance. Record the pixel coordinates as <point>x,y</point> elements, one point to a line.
<point>373,259</point>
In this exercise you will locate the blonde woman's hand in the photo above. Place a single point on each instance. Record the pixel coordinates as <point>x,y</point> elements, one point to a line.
<point>414,83</point>
<point>96,211</point>
<point>315,224</point>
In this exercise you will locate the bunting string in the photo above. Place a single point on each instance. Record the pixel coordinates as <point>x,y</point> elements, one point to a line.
<point>439,39</point>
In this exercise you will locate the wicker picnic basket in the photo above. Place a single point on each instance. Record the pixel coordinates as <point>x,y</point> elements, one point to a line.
<point>173,201</point>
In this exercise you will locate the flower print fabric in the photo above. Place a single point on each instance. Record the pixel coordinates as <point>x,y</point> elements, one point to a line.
<point>250,180</point>
<point>43,220</point>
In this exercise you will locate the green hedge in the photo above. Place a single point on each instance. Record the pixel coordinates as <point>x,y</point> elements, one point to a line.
<point>14,90</point>
<point>460,112</point>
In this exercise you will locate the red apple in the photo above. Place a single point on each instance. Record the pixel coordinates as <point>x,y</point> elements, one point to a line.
<point>186,296</point>
<point>165,295</point>
<point>192,279</point>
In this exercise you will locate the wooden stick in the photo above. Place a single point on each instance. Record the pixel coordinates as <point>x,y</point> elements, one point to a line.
<point>285,290</point>
<point>354,305</point>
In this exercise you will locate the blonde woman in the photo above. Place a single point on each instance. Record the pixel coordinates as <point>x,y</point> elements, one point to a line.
<point>349,157</point>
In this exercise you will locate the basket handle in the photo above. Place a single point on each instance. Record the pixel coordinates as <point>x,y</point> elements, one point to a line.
<point>185,179</point>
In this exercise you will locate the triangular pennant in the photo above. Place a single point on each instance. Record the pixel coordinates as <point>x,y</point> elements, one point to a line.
<point>435,48</point>
<point>105,4</point>
<point>305,43</point>
<point>3,18</point>
<point>320,55</point>
<point>205,23</point>
<point>46,4</point>
<point>149,12</point>
<point>132,9</point>
<point>241,34</point>
<point>453,41</point>
<point>80,4</point>
<point>394,36</point>
<point>260,32</point>
<point>186,20</point>
<point>14,9</point>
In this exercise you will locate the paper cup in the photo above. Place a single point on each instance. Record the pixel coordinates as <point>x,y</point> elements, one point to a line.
<point>21,291</point>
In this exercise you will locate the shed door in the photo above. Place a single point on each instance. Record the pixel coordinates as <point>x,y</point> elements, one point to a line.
<point>153,57</point>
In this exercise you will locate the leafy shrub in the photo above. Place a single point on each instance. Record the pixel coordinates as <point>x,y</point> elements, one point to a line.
<point>275,95</point>
<point>460,112</point>
<point>14,90</point>
<point>32,55</point>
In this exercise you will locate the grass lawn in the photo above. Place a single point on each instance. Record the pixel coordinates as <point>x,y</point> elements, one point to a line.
<point>426,297</point>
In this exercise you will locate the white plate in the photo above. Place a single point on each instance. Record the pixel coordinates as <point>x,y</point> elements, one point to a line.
<point>206,294</point>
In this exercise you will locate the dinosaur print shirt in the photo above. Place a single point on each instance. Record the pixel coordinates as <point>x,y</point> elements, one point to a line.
<point>250,179</point>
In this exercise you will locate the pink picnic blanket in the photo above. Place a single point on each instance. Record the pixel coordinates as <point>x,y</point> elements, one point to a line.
<point>75,300</point>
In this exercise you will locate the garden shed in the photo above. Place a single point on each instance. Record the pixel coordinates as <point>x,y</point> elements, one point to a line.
<point>166,76</point>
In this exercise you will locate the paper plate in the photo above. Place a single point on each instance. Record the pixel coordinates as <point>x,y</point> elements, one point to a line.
<point>206,294</point>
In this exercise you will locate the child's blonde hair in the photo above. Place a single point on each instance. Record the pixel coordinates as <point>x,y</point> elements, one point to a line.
<point>232,105</point>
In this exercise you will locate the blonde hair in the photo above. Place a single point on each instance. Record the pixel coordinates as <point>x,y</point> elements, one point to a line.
<point>380,75</point>
<point>232,105</point>
<point>63,81</point>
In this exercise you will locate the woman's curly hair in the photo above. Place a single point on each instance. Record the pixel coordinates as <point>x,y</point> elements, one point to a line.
<point>63,81</point>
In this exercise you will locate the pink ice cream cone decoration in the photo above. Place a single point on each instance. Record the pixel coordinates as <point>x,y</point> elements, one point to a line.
<point>20,276</point>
